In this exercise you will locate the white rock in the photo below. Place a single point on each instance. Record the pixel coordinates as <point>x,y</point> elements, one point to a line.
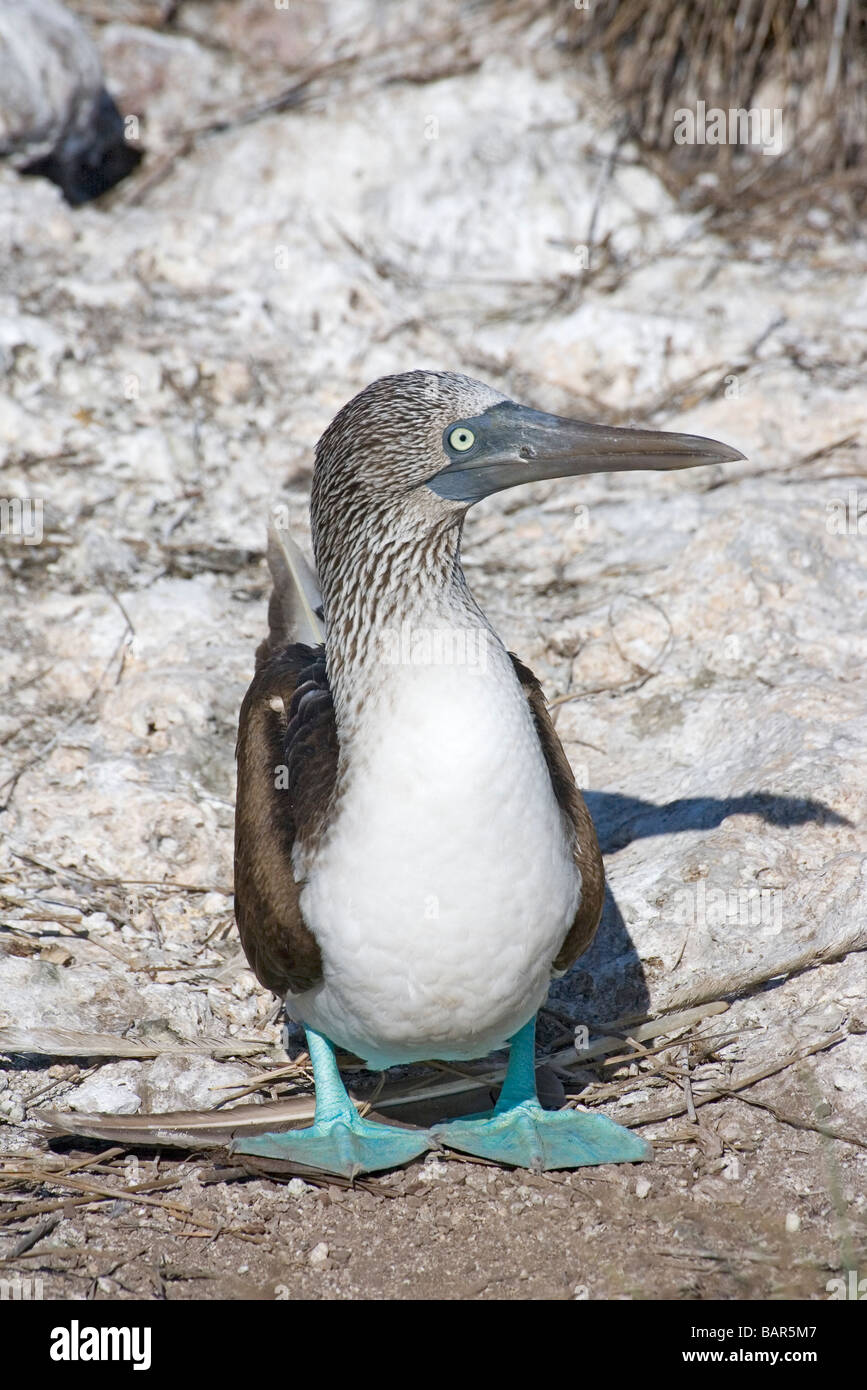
<point>11,1109</point>
<point>318,1256</point>
<point>112,1090</point>
<point>433,1170</point>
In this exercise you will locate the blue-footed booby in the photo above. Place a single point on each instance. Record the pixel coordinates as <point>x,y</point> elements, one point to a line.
<point>413,859</point>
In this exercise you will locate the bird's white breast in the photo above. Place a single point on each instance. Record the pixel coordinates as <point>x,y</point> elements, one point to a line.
<point>446,883</point>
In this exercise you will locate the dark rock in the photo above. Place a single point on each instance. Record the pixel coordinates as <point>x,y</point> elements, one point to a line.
<point>56,118</point>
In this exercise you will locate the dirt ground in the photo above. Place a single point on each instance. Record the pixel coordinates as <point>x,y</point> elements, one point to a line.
<point>753,1199</point>
<point>459,1230</point>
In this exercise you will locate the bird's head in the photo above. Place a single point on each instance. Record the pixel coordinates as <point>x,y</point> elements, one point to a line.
<point>421,447</point>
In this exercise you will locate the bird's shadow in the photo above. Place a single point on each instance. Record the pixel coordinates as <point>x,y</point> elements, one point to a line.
<point>608,981</point>
<point>621,819</point>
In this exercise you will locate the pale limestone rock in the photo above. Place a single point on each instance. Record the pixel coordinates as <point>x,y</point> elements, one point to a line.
<point>168,369</point>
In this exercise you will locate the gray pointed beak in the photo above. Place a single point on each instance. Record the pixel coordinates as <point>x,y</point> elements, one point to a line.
<point>513,445</point>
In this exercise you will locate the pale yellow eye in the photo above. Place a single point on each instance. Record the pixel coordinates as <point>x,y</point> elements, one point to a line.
<point>462,439</point>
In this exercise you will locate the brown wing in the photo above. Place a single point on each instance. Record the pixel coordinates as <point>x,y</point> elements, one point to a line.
<point>287,754</point>
<point>287,765</point>
<point>587,854</point>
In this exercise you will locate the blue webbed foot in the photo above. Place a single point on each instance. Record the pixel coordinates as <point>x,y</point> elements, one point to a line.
<point>527,1136</point>
<point>519,1132</point>
<point>339,1140</point>
<point>347,1145</point>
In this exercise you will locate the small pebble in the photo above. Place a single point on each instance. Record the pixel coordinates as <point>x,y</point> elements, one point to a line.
<point>11,1110</point>
<point>318,1256</point>
<point>642,1187</point>
<point>793,1222</point>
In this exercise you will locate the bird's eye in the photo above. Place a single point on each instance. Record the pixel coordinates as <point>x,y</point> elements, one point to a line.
<point>462,439</point>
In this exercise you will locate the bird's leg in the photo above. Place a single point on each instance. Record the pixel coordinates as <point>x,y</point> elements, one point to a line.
<point>339,1140</point>
<point>519,1132</point>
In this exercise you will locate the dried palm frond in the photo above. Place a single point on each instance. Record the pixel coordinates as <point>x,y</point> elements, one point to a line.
<point>805,58</point>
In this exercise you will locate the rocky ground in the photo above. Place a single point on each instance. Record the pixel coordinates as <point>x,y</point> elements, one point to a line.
<point>324,201</point>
